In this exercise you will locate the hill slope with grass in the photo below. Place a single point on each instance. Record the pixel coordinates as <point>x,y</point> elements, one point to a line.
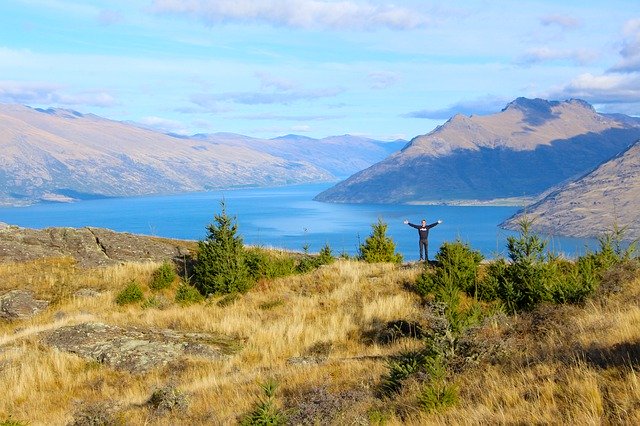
<point>605,197</point>
<point>535,340</point>
<point>528,147</point>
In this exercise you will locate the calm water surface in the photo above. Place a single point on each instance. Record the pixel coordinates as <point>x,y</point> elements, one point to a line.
<point>285,217</point>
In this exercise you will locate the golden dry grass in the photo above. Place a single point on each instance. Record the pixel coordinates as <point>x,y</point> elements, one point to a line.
<point>276,321</point>
<point>571,370</point>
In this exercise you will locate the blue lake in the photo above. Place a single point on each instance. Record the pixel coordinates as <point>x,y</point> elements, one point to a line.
<point>285,217</point>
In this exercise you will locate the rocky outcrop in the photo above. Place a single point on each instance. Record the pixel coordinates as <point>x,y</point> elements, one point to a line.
<point>530,146</point>
<point>89,246</point>
<point>133,349</point>
<point>20,304</point>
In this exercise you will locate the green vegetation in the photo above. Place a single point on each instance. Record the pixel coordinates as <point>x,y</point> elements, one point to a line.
<point>163,277</point>
<point>378,247</point>
<point>132,293</point>
<point>187,295</point>
<point>221,267</point>
<point>266,410</point>
<point>527,338</point>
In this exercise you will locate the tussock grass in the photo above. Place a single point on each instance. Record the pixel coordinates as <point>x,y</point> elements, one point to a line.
<point>560,364</point>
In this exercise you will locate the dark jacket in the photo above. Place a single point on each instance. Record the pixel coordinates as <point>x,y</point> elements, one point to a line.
<point>423,231</point>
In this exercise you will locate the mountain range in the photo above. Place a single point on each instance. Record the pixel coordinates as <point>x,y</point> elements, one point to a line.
<point>594,204</point>
<point>58,154</point>
<point>527,148</point>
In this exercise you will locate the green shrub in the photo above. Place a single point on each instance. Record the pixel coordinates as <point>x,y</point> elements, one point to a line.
<point>527,280</point>
<point>163,276</point>
<point>401,367</point>
<point>461,263</point>
<point>132,293</point>
<point>187,295</point>
<point>378,247</point>
<point>263,264</point>
<point>266,410</point>
<point>221,266</point>
<point>325,257</point>
<point>436,397</point>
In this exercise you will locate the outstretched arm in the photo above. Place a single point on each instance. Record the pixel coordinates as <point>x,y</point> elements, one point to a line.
<point>434,224</point>
<point>406,222</point>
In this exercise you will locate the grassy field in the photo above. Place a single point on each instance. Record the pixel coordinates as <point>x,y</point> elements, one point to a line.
<point>326,338</point>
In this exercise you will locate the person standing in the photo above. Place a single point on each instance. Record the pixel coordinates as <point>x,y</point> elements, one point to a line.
<point>423,232</point>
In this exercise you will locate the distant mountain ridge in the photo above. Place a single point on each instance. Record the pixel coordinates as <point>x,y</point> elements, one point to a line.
<point>592,205</point>
<point>525,149</point>
<point>58,154</point>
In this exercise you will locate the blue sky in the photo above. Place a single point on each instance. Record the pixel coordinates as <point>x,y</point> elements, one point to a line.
<point>315,67</point>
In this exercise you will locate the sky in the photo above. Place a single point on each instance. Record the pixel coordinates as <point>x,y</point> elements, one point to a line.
<point>374,68</point>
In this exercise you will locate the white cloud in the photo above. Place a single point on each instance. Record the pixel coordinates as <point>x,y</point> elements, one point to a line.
<point>481,106</point>
<point>268,80</point>
<point>51,94</point>
<point>280,117</point>
<point>164,125</point>
<point>546,54</point>
<point>603,89</point>
<point>307,14</point>
<point>382,79</point>
<point>263,98</point>
<point>630,51</point>
<point>563,21</point>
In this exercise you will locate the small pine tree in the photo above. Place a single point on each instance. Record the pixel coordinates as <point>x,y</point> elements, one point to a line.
<point>325,257</point>
<point>221,267</point>
<point>378,247</point>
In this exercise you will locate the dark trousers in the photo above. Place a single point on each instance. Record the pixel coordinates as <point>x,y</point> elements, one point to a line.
<point>424,245</point>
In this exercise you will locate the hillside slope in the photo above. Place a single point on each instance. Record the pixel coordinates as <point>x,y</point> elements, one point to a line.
<point>528,147</point>
<point>341,156</point>
<point>53,153</point>
<point>591,205</point>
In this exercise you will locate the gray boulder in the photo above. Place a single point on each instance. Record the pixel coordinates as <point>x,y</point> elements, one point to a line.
<point>133,349</point>
<point>20,304</point>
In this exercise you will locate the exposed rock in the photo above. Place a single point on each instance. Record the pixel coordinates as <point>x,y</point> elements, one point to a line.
<point>307,360</point>
<point>89,246</point>
<point>133,349</point>
<point>87,292</point>
<point>20,304</point>
<point>168,398</point>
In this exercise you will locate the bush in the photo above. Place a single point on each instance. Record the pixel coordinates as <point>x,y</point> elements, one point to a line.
<point>461,263</point>
<point>532,278</point>
<point>263,264</point>
<point>132,293</point>
<point>378,247</point>
<point>187,295</point>
<point>163,276</point>
<point>266,410</point>
<point>325,257</point>
<point>221,266</point>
